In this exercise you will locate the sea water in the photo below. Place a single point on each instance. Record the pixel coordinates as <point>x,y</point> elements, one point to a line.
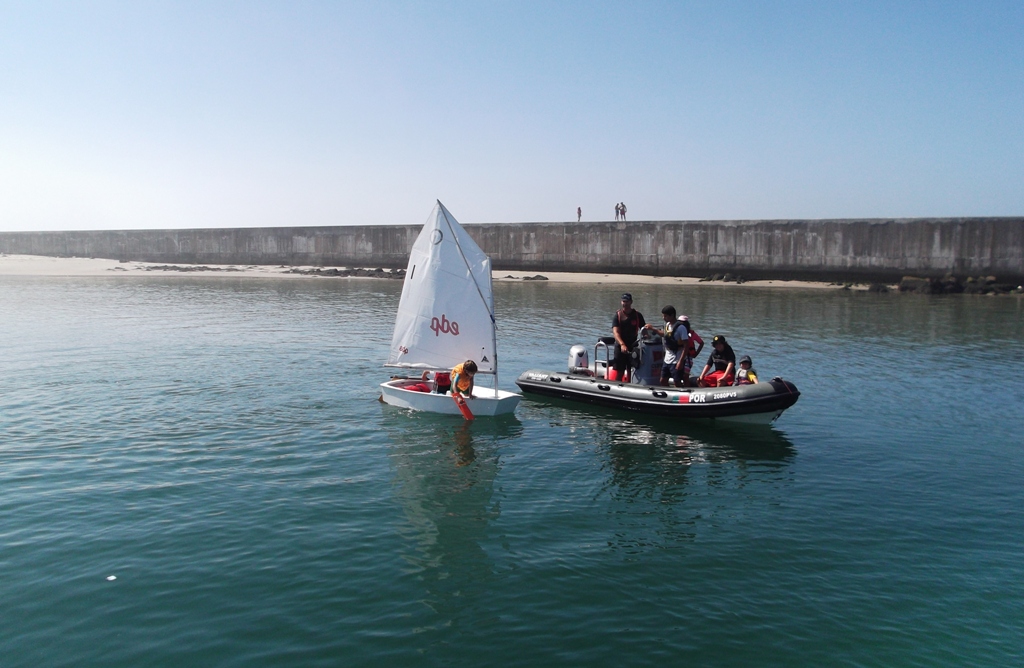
<point>198,472</point>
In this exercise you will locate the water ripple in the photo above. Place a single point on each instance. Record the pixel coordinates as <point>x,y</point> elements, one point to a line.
<point>217,447</point>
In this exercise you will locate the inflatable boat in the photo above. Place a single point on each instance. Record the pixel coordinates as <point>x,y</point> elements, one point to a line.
<point>760,403</point>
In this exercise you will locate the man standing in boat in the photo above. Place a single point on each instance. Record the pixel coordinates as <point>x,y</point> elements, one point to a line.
<point>674,336</point>
<point>626,325</point>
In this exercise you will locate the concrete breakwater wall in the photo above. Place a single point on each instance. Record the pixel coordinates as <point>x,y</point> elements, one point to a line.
<point>871,249</point>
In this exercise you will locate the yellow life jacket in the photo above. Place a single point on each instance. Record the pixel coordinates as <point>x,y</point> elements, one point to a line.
<point>460,378</point>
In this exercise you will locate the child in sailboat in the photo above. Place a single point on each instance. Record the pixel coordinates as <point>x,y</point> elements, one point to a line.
<point>442,380</point>
<point>462,378</point>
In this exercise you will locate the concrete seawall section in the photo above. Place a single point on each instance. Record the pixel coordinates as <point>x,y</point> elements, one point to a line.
<point>870,249</point>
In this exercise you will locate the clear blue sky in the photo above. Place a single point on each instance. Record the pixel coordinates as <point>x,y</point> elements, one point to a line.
<point>165,114</point>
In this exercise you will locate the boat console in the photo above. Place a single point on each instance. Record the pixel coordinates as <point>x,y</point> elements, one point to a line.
<point>646,366</point>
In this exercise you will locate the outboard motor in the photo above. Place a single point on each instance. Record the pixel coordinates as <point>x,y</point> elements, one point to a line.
<point>647,369</point>
<point>579,360</point>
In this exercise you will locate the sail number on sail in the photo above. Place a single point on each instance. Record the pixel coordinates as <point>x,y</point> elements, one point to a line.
<point>444,326</point>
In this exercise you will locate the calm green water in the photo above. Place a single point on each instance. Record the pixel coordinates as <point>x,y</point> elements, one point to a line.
<point>218,447</point>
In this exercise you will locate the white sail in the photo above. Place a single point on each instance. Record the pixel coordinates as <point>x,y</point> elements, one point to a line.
<point>446,315</point>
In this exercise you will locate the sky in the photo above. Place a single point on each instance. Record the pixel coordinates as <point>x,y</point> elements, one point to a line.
<point>249,114</point>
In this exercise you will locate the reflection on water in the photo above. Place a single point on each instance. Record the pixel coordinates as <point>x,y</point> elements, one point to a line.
<point>661,452</point>
<point>631,444</point>
<point>444,471</point>
<point>463,438</point>
<point>666,481</point>
<point>694,441</point>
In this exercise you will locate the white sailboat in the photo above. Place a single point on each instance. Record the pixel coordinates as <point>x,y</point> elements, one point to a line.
<point>445,317</point>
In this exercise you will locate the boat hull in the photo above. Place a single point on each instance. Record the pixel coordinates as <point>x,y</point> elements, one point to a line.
<point>483,402</point>
<point>761,403</point>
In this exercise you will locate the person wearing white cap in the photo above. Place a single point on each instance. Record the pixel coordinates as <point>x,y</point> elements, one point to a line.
<point>694,344</point>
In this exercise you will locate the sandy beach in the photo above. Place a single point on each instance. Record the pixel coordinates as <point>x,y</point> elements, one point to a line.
<point>36,265</point>
<point>569,277</point>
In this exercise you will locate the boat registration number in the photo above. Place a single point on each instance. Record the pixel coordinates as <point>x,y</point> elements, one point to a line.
<point>703,398</point>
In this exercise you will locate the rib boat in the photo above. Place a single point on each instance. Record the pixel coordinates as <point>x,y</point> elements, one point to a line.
<point>584,382</point>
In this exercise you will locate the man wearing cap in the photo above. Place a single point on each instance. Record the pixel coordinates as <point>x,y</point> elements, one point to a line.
<point>723,361</point>
<point>626,325</point>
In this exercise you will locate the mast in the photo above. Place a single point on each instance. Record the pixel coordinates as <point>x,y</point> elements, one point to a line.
<point>489,307</point>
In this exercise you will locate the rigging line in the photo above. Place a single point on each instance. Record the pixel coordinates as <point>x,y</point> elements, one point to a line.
<point>465,261</point>
<point>490,311</point>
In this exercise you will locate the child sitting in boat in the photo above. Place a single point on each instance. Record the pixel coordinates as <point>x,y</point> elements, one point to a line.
<point>462,378</point>
<point>746,374</point>
<point>442,380</point>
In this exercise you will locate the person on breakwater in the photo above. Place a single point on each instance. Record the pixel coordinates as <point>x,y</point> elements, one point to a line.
<point>626,325</point>
<point>694,344</point>
<point>462,378</point>
<point>723,359</point>
<point>622,210</point>
<point>674,335</point>
<point>616,213</point>
<point>579,213</point>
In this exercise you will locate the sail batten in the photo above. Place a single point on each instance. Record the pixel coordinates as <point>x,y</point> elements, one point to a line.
<point>446,313</point>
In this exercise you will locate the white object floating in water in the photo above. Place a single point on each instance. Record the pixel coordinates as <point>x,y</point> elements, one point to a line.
<point>111,578</point>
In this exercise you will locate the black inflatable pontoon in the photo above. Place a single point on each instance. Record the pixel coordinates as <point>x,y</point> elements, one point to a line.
<point>761,403</point>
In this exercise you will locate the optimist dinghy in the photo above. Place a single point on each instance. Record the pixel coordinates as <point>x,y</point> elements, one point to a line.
<point>586,382</point>
<point>445,317</point>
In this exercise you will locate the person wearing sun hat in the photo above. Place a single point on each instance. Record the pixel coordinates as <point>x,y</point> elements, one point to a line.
<point>723,360</point>
<point>626,325</point>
